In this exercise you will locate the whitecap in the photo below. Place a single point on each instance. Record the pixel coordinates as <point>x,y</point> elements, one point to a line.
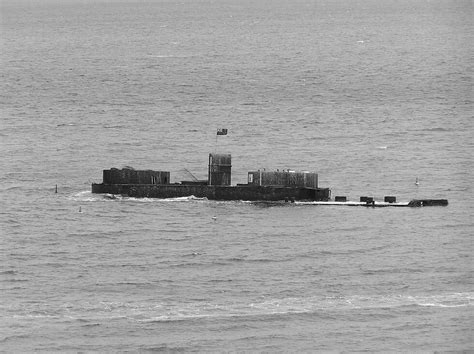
<point>88,196</point>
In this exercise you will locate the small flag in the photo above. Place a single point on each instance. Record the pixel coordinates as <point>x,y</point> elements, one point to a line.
<point>221,131</point>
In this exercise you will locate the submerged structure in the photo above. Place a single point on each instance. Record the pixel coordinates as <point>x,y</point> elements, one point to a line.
<point>287,185</point>
<point>261,185</point>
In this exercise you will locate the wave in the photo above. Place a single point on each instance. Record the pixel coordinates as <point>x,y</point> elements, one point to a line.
<point>15,280</point>
<point>312,305</point>
<point>95,313</point>
<point>434,129</point>
<point>114,126</point>
<point>87,325</point>
<point>14,337</point>
<point>88,196</point>
<point>134,283</point>
<point>437,129</point>
<point>393,301</point>
<point>161,56</point>
<point>184,199</point>
<point>191,198</point>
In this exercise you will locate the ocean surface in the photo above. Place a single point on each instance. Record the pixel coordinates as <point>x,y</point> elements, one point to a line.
<point>371,94</point>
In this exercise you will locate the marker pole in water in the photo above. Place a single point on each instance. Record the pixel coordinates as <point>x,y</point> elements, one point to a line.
<point>56,189</point>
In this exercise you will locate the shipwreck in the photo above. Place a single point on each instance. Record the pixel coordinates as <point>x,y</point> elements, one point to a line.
<point>262,185</point>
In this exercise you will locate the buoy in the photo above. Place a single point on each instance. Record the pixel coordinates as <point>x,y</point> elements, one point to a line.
<point>80,209</point>
<point>56,189</point>
<point>416,182</point>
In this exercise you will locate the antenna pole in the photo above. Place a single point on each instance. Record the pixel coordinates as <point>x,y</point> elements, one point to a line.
<point>209,175</point>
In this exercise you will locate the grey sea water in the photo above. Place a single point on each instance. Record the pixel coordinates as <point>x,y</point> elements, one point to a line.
<point>369,94</point>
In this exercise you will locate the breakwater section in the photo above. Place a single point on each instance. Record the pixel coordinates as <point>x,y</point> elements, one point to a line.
<point>376,204</point>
